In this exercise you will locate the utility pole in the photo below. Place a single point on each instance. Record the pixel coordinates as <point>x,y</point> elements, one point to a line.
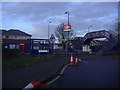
<point>48,36</point>
<point>68,16</point>
<point>67,31</point>
<point>48,29</point>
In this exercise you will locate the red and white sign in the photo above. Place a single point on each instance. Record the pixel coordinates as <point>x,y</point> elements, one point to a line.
<point>52,37</point>
<point>67,27</point>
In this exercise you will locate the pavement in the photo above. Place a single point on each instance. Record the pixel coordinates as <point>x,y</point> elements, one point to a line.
<point>97,72</point>
<point>19,78</point>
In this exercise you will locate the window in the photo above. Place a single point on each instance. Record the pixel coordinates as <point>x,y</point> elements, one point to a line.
<point>6,37</point>
<point>12,46</point>
<point>44,41</point>
<point>44,48</point>
<point>41,41</point>
<point>36,47</point>
<point>15,37</point>
<point>6,46</point>
<point>17,46</point>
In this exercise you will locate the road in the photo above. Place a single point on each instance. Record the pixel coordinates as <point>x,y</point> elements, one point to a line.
<point>98,72</point>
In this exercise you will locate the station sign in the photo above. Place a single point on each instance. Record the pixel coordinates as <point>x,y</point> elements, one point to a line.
<point>67,27</point>
<point>42,51</point>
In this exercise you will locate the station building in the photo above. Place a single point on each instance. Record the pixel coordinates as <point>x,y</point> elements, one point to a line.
<point>17,40</point>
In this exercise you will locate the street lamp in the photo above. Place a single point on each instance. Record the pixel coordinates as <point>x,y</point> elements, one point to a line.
<point>89,28</point>
<point>68,31</point>
<point>48,36</point>
<point>68,16</point>
<point>48,29</point>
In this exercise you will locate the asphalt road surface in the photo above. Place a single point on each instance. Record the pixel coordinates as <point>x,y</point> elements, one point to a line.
<point>98,72</point>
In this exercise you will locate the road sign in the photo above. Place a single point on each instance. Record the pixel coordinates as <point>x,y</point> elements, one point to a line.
<point>67,27</point>
<point>52,37</point>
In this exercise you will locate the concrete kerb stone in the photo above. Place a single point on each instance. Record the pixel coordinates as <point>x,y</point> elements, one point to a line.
<point>55,75</point>
<point>59,72</point>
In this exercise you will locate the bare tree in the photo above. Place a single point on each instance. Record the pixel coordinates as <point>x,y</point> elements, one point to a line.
<point>64,36</point>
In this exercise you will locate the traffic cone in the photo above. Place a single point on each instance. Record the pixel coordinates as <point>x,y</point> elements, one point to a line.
<point>29,86</point>
<point>76,60</point>
<point>71,60</point>
<point>35,85</point>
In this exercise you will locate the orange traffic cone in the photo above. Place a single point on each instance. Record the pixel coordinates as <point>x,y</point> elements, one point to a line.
<point>35,85</point>
<point>76,60</point>
<point>71,60</point>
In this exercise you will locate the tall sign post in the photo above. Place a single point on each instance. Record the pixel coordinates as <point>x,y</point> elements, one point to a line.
<point>48,36</point>
<point>67,28</point>
<point>52,40</point>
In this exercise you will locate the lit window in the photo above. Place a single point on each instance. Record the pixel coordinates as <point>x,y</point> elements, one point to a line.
<point>44,42</point>
<point>12,46</point>
<point>6,46</point>
<point>41,41</point>
<point>36,47</point>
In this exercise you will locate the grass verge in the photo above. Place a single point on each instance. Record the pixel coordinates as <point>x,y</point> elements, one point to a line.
<point>24,61</point>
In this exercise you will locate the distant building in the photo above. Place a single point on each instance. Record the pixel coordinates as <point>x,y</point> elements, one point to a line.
<point>15,40</point>
<point>40,46</point>
<point>15,34</point>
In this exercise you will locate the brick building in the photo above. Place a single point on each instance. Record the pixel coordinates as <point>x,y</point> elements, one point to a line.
<point>15,40</point>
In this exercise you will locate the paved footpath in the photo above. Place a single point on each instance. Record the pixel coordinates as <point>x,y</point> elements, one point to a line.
<point>95,72</point>
<point>38,72</point>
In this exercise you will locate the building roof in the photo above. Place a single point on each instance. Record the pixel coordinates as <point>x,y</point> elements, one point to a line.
<point>14,32</point>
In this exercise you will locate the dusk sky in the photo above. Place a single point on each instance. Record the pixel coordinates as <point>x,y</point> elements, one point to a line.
<point>33,17</point>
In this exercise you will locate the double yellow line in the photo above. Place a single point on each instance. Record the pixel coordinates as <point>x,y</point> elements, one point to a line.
<point>58,75</point>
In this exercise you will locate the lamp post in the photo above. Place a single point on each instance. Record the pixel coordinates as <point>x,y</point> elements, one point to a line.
<point>68,31</point>
<point>68,16</point>
<point>48,29</point>
<point>48,36</point>
<point>89,29</point>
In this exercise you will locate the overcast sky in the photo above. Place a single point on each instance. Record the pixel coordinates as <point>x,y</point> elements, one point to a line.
<point>33,17</point>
